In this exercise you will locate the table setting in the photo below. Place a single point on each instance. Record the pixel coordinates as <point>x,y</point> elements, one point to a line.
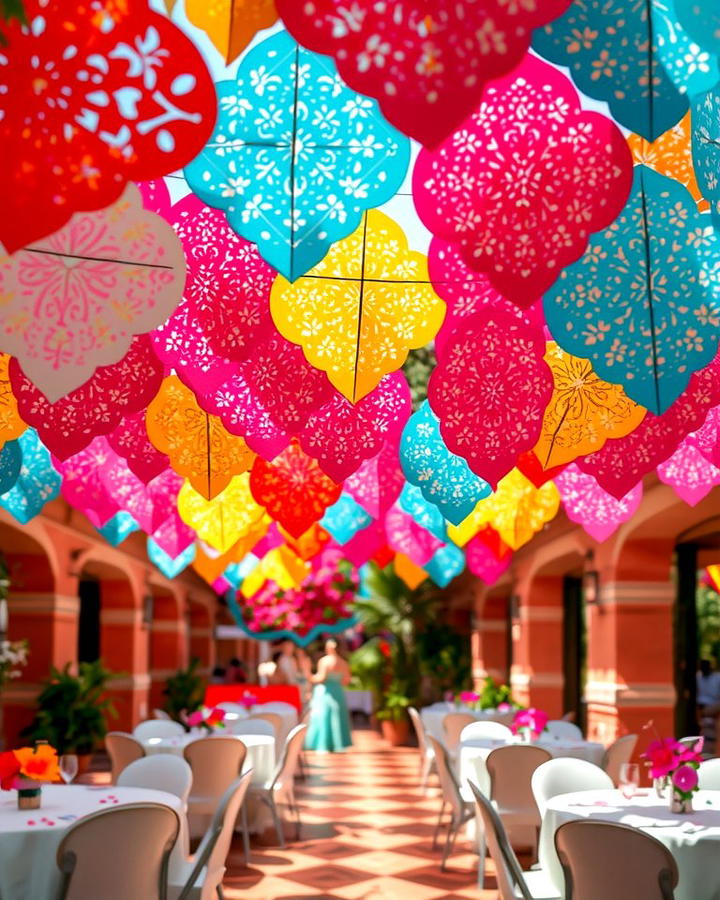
<point>260,749</point>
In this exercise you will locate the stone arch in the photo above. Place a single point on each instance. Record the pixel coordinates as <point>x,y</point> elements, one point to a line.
<point>169,639</point>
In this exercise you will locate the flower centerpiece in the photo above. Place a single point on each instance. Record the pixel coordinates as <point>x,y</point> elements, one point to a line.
<point>210,719</point>
<point>674,764</point>
<point>13,656</point>
<point>529,723</point>
<point>26,769</point>
<point>471,699</point>
<point>248,700</point>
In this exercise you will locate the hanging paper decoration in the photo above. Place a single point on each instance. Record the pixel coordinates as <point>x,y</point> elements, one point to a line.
<point>490,390</point>
<point>583,413</point>
<point>423,512</point>
<point>621,463</point>
<point>107,95</point>
<point>173,535</point>
<point>120,527</point>
<point>342,435</point>
<point>37,483</point>
<point>151,504</point>
<point>222,521</point>
<point>691,68</point>
<point>378,482</point>
<point>427,63</point>
<point>345,518</point>
<point>169,566</point>
<point>359,311</point>
<point>446,563</point>
<point>296,156</point>
<point>365,543</point>
<point>82,483</point>
<point>705,118</point>
<point>643,303</point>
<point>405,568</point>
<point>309,544</point>
<point>270,539</point>
<point>209,564</point>
<point>445,479</point>
<point>487,556</point>
<point>533,469</point>
<point>293,488</point>
<point>130,441</point>
<point>597,511</point>
<point>95,408</point>
<point>525,181</point>
<point>689,474</point>
<point>707,438</point>
<point>612,54</point>
<point>405,535</point>
<point>11,425</point>
<point>270,396</point>
<point>10,465</point>
<point>196,443</point>
<point>700,19</point>
<point>282,567</point>
<point>74,300</point>
<point>231,24</point>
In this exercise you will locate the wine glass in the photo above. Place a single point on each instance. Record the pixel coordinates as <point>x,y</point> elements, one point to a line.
<point>68,767</point>
<point>629,779</point>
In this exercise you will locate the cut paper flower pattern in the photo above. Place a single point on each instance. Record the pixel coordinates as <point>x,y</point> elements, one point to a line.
<point>231,24</point>
<point>130,441</point>
<point>37,483</point>
<point>10,465</point>
<point>586,503</point>
<point>705,118</point>
<point>378,482</point>
<point>345,518</point>
<point>296,156</point>
<point>485,560</point>
<point>82,483</point>
<point>405,535</point>
<point>446,563</point>
<point>707,438</point>
<point>224,520</point>
<point>11,425</point>
<point>689,474</point>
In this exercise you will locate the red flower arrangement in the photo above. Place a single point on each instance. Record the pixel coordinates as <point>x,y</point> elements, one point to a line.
<point>529,721</point>
<point>674,762</point>
<point>20,769</point>
<point>207,718</point>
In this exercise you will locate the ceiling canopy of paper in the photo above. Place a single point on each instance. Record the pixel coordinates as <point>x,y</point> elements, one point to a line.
<point>487,558</point>
<point>378,482</point>
<point>222,521</point>
<point>405,535</point>
<point>173,535</point>
<point>309,544</point>
<point>622,463</point>
<point>341,436</point>
<point>37,483</point>
<point>412,501</point>
<point>427,63</point>
<point>446,563</point>
<point>345,518</point>
<point>196,443</point>
<point>597,511</point>
<point>359,311</point>
<point>490,390</point>
<point>96,407</point>
<point>293,488</point>
<point>524,182</point>
<point>296,156</point>
<point>445,479</point>
<point>10,463</point>
<point>82,483</point>
<point>120,527</point>
<point>231,24</point>
<point>583,413</point>
<point>11,425</point>
<point>707,438</point>
<point>151,504</point>
<point>611,49</point>
<point>366,543</point>
<point>73,301</point>
<point>97,94</point>
<point>689,474</point>
<point>168,565</point>
<point>643,303</point>
<point>130,440</point>
<point>705,117</point>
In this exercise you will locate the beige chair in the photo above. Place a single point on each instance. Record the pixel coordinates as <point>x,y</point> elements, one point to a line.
<point>512,882</point>
<point>118,853</point>
<point>162,772</point>
<point>281,786</point>
<point>602,860</point>
<point>565,776</point>
<point>157,728</point>
<point>205,869</point>
<point>709,775</point>
<point>216,762</point>
<point>562,730</point>
<point>486,730</point>
<point>427,755</point>
<point>251,726</point>
<point>122,749</point>
<point>618,753</point>
<point>460,811</point>
<point>453,724</point>
<point>273,719</point>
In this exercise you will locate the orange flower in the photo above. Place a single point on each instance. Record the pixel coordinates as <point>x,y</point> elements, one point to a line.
<point>38,763</point>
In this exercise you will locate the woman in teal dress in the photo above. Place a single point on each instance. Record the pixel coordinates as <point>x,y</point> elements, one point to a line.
<point>329,729</point>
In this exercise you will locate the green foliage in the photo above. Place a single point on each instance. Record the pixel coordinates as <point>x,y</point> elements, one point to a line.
<point>444,658</point>
<point>708,623</point>
<point>185,691</point>
<point>395,704</point>
<point>493,694</point>
<point>72,711</point>
<point>367,665</point>
<point>417,368</point>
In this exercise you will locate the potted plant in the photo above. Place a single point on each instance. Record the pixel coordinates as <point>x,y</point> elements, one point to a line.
<point>72,711</point>
<point>185,692</point>
<point>393,717</point>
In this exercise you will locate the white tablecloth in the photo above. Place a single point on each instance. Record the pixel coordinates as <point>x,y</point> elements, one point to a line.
<point>260,752</point>
<point>432,717</point>
<point>693,839</point>
<point>360,701</point>
<point>474,753</point>
<point>28,870</point>
<point>289,719</point>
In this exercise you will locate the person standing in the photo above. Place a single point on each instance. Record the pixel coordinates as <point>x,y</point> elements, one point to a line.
<point>287,667</point>
<point>329,729</point>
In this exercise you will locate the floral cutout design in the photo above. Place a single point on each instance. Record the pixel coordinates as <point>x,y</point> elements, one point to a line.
<point>231,24</point>
<point>643,303</point>
<point>490,390</point>
<point>691,60</point>
<point>119,528</point>
<point>74,300</point>
<point>525,181</point>
<point>444,478</point>
<point>82,483</point>
<point>173,535</point>
<point>378,482</point>
<point>38,482</point>
<point>597,511</point>
<point>486,556</point>
<point>151,504</point>
<point>345,518</point>
<point>196,443</point>
<point>445,564</point>
<point>426,63</point>
<point>707,438</point>
<point>11,425</point>
<point>405,535</point>
<point>296,155</point>
<point>168,565</point>
<point>426,514</point>
<point>358,313</point>
<point>583,412</point>
<point>705,118</point>
<point>109,93</point>
<point>224,520</point>
<point>10,465</point>
<point>689,474</point>
<point>130,440</point>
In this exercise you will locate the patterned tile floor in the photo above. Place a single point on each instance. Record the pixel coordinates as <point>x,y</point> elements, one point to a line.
<point>366,835</point>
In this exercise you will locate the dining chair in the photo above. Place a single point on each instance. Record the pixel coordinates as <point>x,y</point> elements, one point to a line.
<point>709,775</point>
<point>618,753</point>
<point>512,882</point>
<point>568,716</point>
<point>162,772</point>
<point>251,726</point>
<point>204,870</point>
<point>118,853</point>
<point>486,731</point>
<point>276,706</point>
<point>427,754</point>
<point>452,726</point>
<point>511,770</point>
<point>123,749</point>
<point>161,714</point>
<point>562,730</point>
<point>273,719</point>
<point>690,740</point>
<point>460,810</point>
<point>606,859</point>
<point>158,728</point>
<point>565,776</point>
<point>302,765</point>
<point>282,785</point>
<point>215,762</point>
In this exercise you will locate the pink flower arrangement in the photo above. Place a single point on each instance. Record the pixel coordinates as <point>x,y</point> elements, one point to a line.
<point>671,759</point>
<point>248,700</point>
<point>207,718</point>
<point>469,698</point>
<point>533,721</point>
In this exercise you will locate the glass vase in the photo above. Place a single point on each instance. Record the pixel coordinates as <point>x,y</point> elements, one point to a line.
<point>680,804</point>
<point>29,796</point>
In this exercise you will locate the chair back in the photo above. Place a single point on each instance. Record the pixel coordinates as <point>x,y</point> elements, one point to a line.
<point>276,706</point>
<point>619,752</point>
<point>508,873</point>
<point>562,730</point>
<point>605,859</point>
<point>448,783</point>
<point>486,731</point>
<point>273,719</point>
<point>236,709</point>
<point>251,726</point>
<point>286,768</point>
<point>161,714</point>
<point>157,728</point>
<point>564,776</point>
<point>453,724</point>
<point>215,762</point>
<point>419,729</point>
<point>690,741</point>
<point>162,772</point>
<point>511,770</point>
<point>123,749</point>
<point>118,853</point>
<point>709,775</point>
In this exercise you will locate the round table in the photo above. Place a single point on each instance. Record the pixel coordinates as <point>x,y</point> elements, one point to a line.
<point>693,839</point>
<point>29,839</point>
<point>260,751</point>
<point>432,717</point>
